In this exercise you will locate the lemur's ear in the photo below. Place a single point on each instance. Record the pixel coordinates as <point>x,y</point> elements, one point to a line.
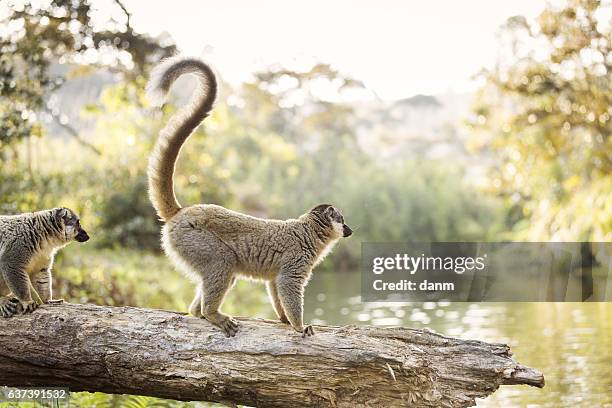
<point>330,211</point>
<point>320,209</point>
<point>61,213</point>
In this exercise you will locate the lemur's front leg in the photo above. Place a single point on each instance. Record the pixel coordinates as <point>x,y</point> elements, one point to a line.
<point>8,306</point>
<point>290,288</point>
<point>276,302</point>
<point>19,284</point>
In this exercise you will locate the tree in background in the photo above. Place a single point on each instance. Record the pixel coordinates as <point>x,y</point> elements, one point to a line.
<point>36,37</point>
<point>545,114</point>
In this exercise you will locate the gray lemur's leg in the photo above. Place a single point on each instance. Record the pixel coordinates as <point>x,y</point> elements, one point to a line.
<point>291,293</point>
<point>276,303</point>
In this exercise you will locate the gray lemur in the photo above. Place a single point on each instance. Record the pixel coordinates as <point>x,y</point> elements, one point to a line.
<point>28,244</point>
<point>214,245</point>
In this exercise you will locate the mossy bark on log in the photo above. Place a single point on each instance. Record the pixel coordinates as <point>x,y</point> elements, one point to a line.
<point>124,350</point>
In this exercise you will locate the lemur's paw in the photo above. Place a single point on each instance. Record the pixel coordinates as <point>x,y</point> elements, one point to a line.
<point>308,331</point>
<point>229,326</point>
<point>27,307</point>
<point>8,307</point>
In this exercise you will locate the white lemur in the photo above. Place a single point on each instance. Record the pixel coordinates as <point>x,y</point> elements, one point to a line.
<point>28,244</point>
<point>214,245</point>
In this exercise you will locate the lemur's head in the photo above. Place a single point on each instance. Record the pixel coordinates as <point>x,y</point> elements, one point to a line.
<point>70,225</point>
<point>331,219</point>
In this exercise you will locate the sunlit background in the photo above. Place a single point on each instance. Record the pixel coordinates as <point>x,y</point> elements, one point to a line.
<point>422,121</point>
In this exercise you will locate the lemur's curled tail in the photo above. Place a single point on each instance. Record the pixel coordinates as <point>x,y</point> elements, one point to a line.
<point>171,138</point>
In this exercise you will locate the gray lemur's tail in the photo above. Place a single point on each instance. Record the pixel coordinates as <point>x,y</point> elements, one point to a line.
<point>162,160</point>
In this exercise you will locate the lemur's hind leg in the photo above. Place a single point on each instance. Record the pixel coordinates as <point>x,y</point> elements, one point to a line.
<point>216,283</point>
<point>195,309</point>
<point>212,262</point>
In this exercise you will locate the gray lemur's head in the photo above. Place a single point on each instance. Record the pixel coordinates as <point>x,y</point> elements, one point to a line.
<point>70,225</point>
<point>331,218</point>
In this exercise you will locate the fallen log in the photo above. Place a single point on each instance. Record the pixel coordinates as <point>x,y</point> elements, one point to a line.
<point>124,350</point>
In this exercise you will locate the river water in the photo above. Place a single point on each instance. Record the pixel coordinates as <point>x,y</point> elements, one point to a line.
<point>570,343</point>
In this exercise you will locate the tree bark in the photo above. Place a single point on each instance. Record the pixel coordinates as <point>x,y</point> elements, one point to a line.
<point>124,350</point>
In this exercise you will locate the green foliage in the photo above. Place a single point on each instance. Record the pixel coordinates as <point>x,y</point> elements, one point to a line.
<point>546,113</point>
<point>99,400</point>
<point>120,277</point>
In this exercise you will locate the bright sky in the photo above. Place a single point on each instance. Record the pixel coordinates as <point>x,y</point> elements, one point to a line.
<point>398,48</point>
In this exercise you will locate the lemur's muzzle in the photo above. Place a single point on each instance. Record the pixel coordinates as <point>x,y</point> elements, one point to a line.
<point>82,236</point>
<point>346,231</point>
